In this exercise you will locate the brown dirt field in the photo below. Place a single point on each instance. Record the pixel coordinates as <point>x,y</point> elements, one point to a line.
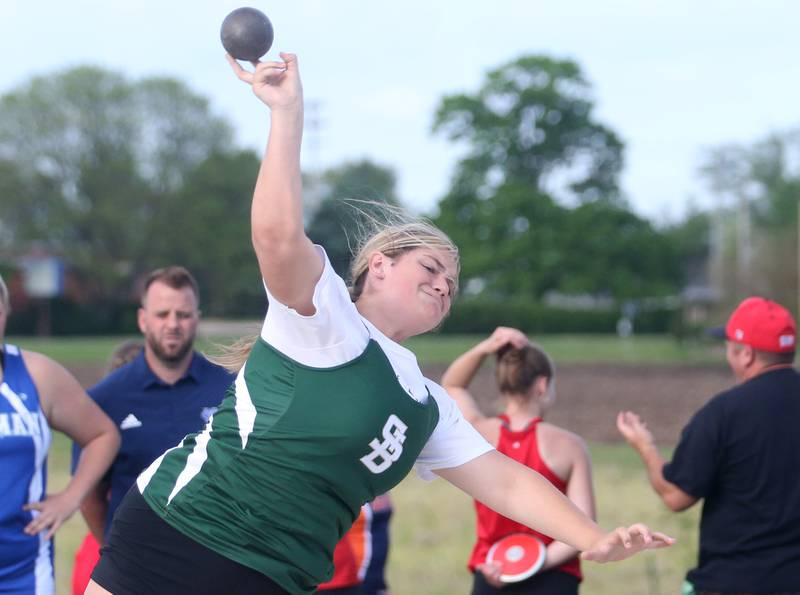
<point>87,375</point>
<point>590,395</point>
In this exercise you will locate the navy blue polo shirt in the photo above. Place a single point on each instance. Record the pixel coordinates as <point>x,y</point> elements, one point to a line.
<point>741,453</point>
<point>153,416</point>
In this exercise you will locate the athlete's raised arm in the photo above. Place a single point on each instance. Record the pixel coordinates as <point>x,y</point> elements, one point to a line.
<point>288,260</point>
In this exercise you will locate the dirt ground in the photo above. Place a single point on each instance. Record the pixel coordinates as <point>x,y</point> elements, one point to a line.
<point>589,395</point>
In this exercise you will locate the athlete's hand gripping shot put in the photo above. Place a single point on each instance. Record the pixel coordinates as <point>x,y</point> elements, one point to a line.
<point>328,410</point>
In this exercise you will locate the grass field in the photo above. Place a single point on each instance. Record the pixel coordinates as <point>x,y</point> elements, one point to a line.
<point>433,533</point>
<point>432,530</point>
<point>441,349</point>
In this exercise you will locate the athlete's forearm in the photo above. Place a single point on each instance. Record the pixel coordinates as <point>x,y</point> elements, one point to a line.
<point>461,372</point>
<point>558,553</point>
<point>96,457</point>
<point>289,263</point>
<point>457,379</point>
<point>277,209</point>
<point>536,503</point>
<point>523,495</point>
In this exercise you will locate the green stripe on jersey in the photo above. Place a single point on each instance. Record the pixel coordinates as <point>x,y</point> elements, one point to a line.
<point>281,471</point>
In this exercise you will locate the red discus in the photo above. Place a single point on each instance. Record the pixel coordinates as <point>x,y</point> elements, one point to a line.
<point>520,555</point>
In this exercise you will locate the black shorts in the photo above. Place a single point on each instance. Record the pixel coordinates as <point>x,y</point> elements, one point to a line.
<point>551,582</point>
<point>145,555</point>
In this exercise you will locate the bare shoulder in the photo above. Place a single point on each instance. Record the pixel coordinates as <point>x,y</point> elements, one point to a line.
<point>52,380</point>
<point>489,428</point>
<point>557,442</point>
<point>41,367</point>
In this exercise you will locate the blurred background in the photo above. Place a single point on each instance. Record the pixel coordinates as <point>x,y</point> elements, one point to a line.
<point>618,176</point>
<point>603,162</point>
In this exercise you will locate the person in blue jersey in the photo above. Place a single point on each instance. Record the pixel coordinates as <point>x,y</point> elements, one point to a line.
<point>167,390</point>
<point>37,394</point>
<point>328,411</point>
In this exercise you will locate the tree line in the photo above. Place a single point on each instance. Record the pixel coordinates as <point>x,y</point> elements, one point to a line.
<point>119,176</point>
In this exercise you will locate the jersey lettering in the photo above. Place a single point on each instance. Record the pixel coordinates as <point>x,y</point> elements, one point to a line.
<point>387,452</point>
<point>12,424</point>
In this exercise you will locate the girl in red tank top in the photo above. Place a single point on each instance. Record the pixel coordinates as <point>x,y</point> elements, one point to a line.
<point>525,377</point>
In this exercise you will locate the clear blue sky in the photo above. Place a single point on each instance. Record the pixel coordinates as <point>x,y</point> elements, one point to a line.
<point>671,78</point>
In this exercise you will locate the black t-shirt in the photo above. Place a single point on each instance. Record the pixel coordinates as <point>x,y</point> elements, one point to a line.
<point>741,453</point>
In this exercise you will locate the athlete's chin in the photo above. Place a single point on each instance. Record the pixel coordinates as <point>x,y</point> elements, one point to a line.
<point>432,323</point>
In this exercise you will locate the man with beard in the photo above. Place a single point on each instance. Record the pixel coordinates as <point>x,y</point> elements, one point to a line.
<point>168,391</point>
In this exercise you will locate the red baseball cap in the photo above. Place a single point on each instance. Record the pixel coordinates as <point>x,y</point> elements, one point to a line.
<point>764,325</point>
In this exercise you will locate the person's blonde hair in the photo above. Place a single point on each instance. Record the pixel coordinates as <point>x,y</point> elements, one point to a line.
<point>233,356</point>
<point>380,227</point>
<point>394,240</point>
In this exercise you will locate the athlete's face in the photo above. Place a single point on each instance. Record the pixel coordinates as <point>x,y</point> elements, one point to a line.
<point>418,287</point>
<point>168,320</point>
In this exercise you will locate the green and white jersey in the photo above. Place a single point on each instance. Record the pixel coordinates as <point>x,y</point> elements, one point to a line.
<point>326,414</point>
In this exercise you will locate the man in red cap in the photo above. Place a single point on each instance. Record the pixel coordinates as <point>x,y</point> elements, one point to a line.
<point>741,454</point>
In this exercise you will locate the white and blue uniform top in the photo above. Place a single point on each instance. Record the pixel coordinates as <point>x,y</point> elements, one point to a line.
<point>26,561</point>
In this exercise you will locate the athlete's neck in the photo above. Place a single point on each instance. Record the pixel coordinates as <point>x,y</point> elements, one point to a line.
<point>377,317</point>
<point>522,410</point>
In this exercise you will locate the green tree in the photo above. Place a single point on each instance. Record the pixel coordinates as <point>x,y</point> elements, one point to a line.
<point>690,238</point>
<point>95,161</point>
<point>535,204</point>
<point>516,231</point>
<point>607,249</point>
<point>352,193</point>
<point>758,192</point>
<point>531,123</point>
<point>206,227</point>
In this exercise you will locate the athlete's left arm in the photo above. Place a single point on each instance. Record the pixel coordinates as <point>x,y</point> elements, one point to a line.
<point>68,409</point>
<point>523,495</point>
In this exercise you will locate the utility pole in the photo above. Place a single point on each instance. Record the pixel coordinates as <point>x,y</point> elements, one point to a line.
<point>717,250</point>
<point>314,191</point>
<point>744,245</point>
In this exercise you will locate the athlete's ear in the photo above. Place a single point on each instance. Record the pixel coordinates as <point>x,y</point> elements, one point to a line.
<point>540,386</point>
<point>378,263</point>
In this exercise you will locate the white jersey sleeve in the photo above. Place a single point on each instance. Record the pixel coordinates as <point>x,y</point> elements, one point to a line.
<point>454,440</point>
<point>333,335</point>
